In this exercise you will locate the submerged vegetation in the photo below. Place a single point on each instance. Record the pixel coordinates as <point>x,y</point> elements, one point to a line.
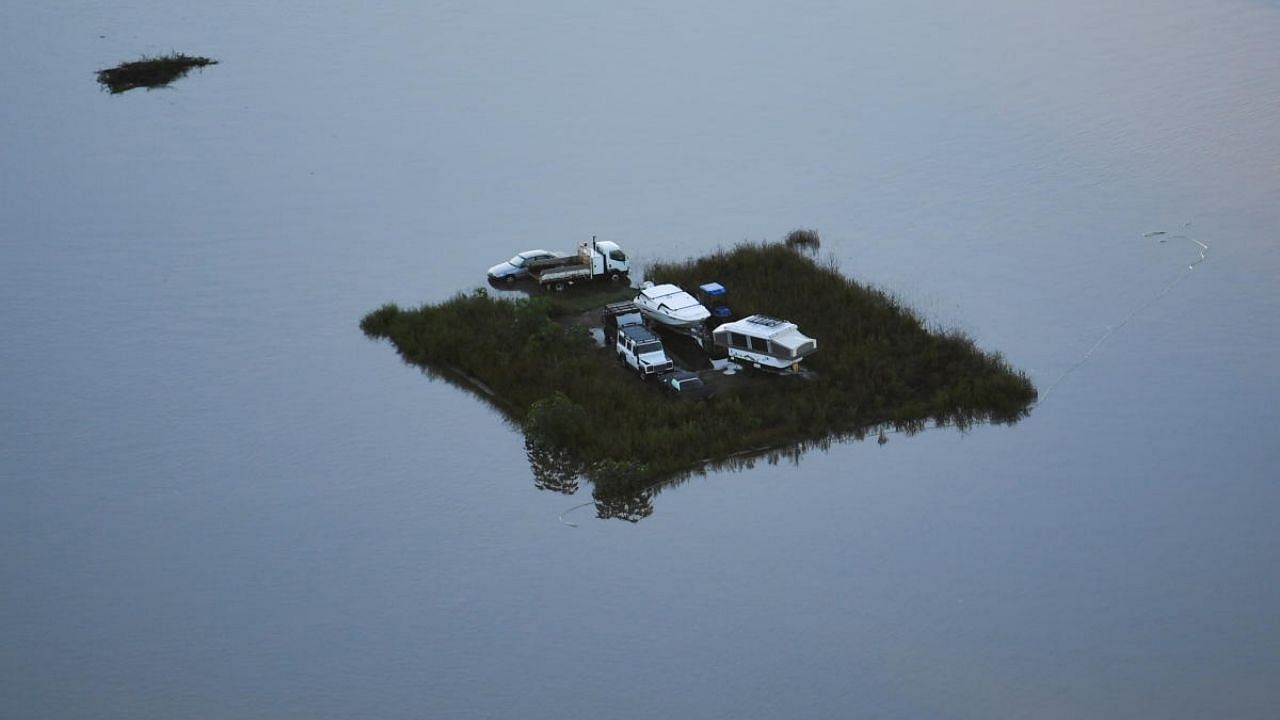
<point>876,365</point>
<point>150,72</point>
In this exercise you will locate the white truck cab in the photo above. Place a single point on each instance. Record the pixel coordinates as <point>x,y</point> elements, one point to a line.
<point>595,260</point>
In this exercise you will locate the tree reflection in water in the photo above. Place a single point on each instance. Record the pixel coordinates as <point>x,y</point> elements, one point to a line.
<point>620,490</point>
<point>632,508</point>
<point>553,468</point>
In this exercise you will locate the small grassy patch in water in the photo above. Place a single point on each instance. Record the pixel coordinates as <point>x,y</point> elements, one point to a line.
<point>876,365</point>
<point>150,72</point>
<point>803,240</point>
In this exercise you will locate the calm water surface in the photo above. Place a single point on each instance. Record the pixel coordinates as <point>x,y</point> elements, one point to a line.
<point>217,499</point>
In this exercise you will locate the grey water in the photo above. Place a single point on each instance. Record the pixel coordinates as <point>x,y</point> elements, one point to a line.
<point>219,500</point>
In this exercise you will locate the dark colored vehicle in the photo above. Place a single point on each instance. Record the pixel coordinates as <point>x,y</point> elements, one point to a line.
<point>687,385</point>
<point>619,315</point>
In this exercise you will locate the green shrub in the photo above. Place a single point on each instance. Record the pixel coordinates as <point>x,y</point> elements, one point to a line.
<point>556,421</point>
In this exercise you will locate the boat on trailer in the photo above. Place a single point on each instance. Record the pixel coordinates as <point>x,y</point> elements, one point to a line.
<point>765,342</point>
<point>668,305</point>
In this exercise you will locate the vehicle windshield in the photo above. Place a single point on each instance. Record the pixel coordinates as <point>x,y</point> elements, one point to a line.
<point>648,347</point>
<point>517,261</point>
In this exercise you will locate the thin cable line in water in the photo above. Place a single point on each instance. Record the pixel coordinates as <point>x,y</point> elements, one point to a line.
<point>1204,252</point>
<point>575,507</point>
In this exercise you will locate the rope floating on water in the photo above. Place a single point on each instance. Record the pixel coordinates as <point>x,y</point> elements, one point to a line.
<point>1204,252</point>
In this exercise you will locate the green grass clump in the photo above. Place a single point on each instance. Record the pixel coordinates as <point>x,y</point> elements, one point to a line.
<point>876,364</point>
<point>150,72</point>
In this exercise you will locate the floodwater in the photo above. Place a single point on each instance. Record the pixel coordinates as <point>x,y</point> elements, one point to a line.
<point>218,499</point>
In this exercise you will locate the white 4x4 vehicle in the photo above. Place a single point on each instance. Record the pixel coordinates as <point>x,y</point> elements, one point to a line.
<point>642,351</point>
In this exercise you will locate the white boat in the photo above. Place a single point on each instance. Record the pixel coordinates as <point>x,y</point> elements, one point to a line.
<point>671,306</point>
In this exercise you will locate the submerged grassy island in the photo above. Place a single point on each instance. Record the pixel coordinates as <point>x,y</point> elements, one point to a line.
<point>584,414</point>
<point>150,72</point>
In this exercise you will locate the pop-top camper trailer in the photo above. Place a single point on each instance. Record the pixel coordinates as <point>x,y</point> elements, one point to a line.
<point>765,341</point>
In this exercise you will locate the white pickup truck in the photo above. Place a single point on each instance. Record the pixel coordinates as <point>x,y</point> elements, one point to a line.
<point>595,260</point>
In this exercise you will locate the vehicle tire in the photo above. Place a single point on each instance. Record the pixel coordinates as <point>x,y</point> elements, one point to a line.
<point>559,287</point>
<point>615,277</point>
<point>510,279</point>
